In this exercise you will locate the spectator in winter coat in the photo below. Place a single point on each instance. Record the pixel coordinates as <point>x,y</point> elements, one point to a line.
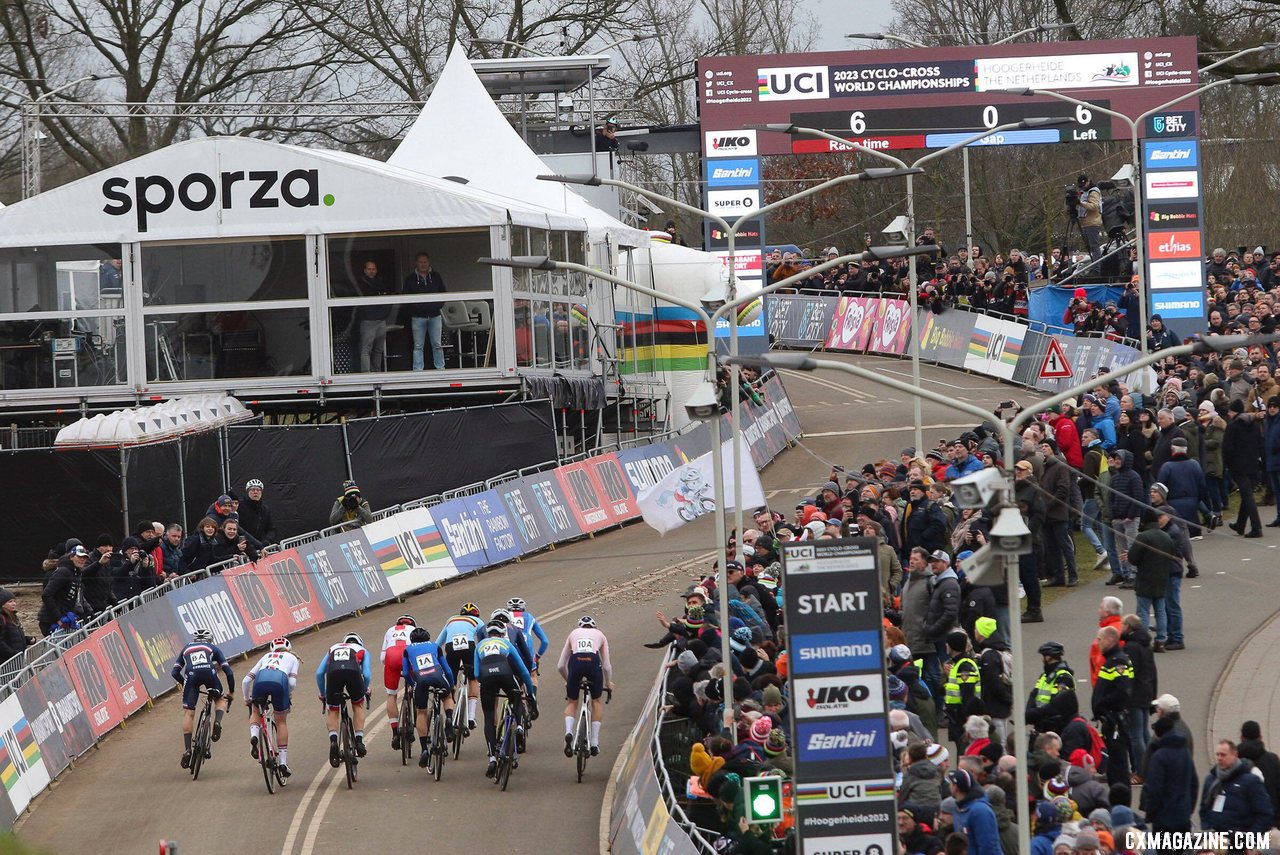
<point>1108,615</point>
<point>962,462</point>
<point>1066,435</point>
<point>1126,494</point>
<point>920,779</point>
<point>171,552</point>
<point>133,572</point>
<point>255,516</point>
<point>1242,455</point>
<point>997,690</point>
<point>1137,643</point>
<point>1059,549</point>
<point>1162,451</point>
<point>1186,485</point>
<point>1253,749</point>
<point>1160,337</point>
<point>915,828</point>
<point>1170,785</point>
<point>1151,556</point>
<point>923,524</point>
<point>198,549</point>
<point>974,817</point>
<point>12,638</point>
<point>61,593</point>
<point>1213,428</point>
<point>1271,449</point>
<point>1233,798</point>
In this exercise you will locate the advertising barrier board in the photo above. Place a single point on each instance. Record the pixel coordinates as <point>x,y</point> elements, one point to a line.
<point>410,550</point>
<point>154,637</point>
<point>344,573</point>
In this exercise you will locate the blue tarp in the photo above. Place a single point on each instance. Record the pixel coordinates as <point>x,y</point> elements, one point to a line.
<point>1048,303</point>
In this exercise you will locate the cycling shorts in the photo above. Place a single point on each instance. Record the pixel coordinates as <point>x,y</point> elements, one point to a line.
<point>273,684</point>
<point>336,681</point>
<point>461,659</point>
<point>391,669</point>
<point>421,693</point>
<point>191,687</point>
<point>584,666</point>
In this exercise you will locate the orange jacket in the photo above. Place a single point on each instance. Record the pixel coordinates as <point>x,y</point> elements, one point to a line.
<point>1096,656</point>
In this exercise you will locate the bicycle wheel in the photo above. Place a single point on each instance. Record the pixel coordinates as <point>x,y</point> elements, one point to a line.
<point>406,728</point>
<point>267,752</point>
<point>348,749</point>
<point>439,749</point>
<point>506,753</point>
<point>199,742</point>
<point>459,719</point>
<point>580,750</point>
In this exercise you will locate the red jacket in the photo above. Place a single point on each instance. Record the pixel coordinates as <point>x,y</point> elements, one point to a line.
<point>1068,439</point>
<point>1096,656</point>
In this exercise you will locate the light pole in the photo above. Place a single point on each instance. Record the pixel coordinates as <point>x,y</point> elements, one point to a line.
<point>542,262</point>
<point>912,279</point>
<point>1009,432</point>
<point>31,122</point>
<point>1135,125</point>
<point>887,37</point>
<point>731,298</point>
<point>890,37</point>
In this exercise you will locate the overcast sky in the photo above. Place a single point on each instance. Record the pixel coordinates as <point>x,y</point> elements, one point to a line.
<point>837,17</point>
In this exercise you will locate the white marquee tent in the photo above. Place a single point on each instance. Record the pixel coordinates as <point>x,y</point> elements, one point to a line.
<point>145,425</point>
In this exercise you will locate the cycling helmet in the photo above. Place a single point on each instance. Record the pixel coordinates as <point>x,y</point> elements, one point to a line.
<point>495,628</point>
<point>406,620</point>
<point>516,604</point>
<point>1051,648</point>
<point>254,484</point>
<point>420,634</point>
<point>586,622</point>
<point>352,638</point>
<point>501,615</point>
<point>281,643</point>
<point>469,609</point>
<point>202,634</point>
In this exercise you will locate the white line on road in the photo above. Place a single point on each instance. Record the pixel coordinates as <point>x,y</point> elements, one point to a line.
<point>835,387</point>
<point>881,430</point>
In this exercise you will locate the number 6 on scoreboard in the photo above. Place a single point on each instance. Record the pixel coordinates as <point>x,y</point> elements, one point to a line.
<point>858,122</point>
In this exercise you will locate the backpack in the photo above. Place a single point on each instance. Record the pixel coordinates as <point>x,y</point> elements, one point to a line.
<point>1097,748</point>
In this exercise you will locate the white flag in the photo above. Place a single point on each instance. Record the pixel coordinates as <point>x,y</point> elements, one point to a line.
<point>689,492</point>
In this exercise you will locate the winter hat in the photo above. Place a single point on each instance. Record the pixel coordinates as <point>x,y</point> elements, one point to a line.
<point>1179,444</point>
<point>1046,813</point>
<point>687,661</point>
<point>961,780</point>
<point>1063,840</point>
<point>832,486</point>
<point>1101,815</point>
<point>130,543</point>
<point>899,654</point>
<point>909,451</point>
<point>715,690</point>
<point>897,689</point>
<point>1078,757</point>
<point>105,540</point>
<point>995,794</point>
<point>816,527</point>
<point>694,615</point>
<point>771,695</point>
<point>1206,408</point>
<point>1055,787</point>
<point>947,805</point>
<point>1157,487</point>
<point>1065,808</point>
<point>5,596</point>
<point>776,743</point>
<point>1179,413</point>
<point>1087,839</point>
<point>1122,815</point>
<point>741,639</point>
<point>760,729</point>
<point>985,627</point>
<point>937,754</point>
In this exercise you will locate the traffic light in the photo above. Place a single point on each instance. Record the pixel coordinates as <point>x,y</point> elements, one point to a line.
<point>764,799</point>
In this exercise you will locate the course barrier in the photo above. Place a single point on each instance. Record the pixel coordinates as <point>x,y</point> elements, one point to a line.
<point>64,694</point>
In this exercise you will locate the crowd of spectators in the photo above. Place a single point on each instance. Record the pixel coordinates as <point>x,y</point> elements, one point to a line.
<point>1140,477</point>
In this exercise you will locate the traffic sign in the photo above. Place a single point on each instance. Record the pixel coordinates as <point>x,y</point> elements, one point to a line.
<point>763,797</point>
<point>1054,366</point>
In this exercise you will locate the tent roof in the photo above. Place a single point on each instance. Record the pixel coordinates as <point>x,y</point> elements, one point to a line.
<point>462,132</point>
<point>238,186</point>
<point>144,425</point>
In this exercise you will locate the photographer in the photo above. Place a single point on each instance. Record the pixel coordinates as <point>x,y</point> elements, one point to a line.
<point>350,507</point>
<point>1087,200</point>
<point>132,570</point>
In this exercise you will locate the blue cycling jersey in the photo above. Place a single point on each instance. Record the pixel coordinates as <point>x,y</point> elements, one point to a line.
<point>532,629</point>
<point>518,640</point>
<point>426,661</point>
<point>458,625</point>
<point>496,656</point>
<point>200,659</point>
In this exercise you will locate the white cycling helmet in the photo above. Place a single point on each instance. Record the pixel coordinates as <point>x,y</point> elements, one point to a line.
<point>495,628</point>
<point>281,643</point>
<point>516,604</point>
<point>352,638</point>
<point>586,622</point>
<point>202,634</point>
<point>501,615</point>
<point>254,484</point>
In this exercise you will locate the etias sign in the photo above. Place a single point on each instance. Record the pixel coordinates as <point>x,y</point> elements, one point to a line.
<point>149,195</point>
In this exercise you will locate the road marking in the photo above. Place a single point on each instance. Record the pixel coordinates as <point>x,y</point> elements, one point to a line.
<point>861,431</point>
<point>335,783</point>
<point>924,379</point>
<point>836,387</point>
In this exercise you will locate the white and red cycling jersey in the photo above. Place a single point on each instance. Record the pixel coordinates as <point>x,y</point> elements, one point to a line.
<point>393,645</point>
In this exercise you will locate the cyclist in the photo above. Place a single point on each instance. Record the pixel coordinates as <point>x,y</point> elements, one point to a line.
<point>426,668</point>
<point>500,669</point>
<point>458,639</point>
<point>520,641</point>
<point>523,618</point>
<point>275,677</point>
<point>197,665</point>
<point>585,654</point>
<point>393,644</point>
<point>345,666</point>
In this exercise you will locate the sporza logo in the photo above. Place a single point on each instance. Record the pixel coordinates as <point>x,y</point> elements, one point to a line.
<point>795,83</point>
<point>730,173</point>
<point>730,143</point>
<point>154,194</point>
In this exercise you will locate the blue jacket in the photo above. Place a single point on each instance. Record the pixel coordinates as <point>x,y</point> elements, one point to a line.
<point>1185,480</point>
<point>1106,430</point>
<point>1271,443</point>
<point>1170,787</point>
<point>970,465</point>
<point>1126,489</point>
<point>977,821</point>
<point>1246,806</point>
<point>1042,842</point>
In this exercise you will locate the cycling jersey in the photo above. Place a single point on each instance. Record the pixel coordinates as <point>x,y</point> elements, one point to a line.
<point>274,676</point>
<point>345,666</point>
<point>393,644</point>
<point>501,670</point>
<point>458,641</point>
<point>197,665</point>
<point>585,655</point>
<point>425,666</point>
<point>519,641</point>
<point>532,629</point>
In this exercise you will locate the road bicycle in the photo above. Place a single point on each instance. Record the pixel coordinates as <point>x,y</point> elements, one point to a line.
<point>269,746</point>
<point>507,750</point>
<point>407,712</point>
<point>202,735</point>
<point>582,730</point>
<point>347,740</point>
<point>460,729</point>
<point>436,716</point>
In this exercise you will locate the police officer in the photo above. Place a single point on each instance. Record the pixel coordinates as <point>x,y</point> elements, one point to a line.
<point>1111,702</point>
<point>961,687</point>
<point>1049,708</point>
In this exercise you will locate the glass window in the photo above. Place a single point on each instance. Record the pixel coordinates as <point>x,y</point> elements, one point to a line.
<point>379,337</point>
<point>577,248</point>
<point>519,240</point>
<point>543,334</point>
<point>524,333</point>
<point>556,244</point>
<point>62,353</point>
<point>394,260</point>
<point>224,272</point>
<point>215,345</point>
<point>579,335</point>
<point>60,278</point>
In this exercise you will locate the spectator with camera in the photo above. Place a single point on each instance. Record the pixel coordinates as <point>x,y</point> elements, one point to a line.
<point>1086,198</point>
<point>350,507</point>
<point>132,570</point>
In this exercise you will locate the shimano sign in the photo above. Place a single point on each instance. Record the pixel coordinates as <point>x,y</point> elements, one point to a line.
<point>733,173</point>
<point>148,195</point>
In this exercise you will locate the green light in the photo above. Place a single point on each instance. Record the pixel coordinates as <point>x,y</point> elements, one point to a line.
<point>763,799</point>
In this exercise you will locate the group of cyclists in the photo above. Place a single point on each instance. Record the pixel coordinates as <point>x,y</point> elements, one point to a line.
<point>497,657</point>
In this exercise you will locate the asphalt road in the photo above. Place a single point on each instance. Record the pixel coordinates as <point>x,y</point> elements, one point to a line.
<point>131,792</point>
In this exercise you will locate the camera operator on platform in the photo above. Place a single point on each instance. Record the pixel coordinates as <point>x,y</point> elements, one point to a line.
<point>1088,205</point>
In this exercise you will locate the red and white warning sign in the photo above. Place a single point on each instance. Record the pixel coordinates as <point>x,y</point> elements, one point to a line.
<point>1055,365</point>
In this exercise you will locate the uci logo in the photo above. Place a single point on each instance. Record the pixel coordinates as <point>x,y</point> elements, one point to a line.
<point>792,84</point>
<point>155,194</point>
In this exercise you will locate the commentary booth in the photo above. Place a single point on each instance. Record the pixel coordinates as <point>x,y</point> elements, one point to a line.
<point>235,264</point>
